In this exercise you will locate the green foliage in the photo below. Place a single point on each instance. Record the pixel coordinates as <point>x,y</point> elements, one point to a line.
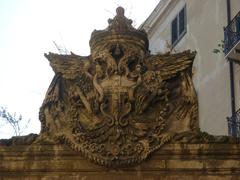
<point>13,120</point>
<point>220,48</point>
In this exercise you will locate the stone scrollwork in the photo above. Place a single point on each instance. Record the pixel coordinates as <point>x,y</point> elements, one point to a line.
<point>121,103</point>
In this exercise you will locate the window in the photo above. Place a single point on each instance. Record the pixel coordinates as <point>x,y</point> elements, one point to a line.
<point>179,26</point>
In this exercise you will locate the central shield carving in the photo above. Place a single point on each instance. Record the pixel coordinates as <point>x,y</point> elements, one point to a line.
<point>121,103</point>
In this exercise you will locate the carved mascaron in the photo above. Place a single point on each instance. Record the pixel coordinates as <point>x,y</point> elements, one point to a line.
<point>119,104</point>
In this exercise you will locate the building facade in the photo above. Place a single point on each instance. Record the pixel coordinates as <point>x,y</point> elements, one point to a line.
<point>177,25</point>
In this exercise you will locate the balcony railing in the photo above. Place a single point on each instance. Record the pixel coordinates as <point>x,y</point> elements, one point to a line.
<point>232,34</point>
<point>234,124</point>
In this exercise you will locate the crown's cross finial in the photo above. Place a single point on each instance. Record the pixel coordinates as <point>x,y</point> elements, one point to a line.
<point>120,11</point>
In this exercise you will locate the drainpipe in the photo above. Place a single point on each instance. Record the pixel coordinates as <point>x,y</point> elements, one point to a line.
<point>231,76</point>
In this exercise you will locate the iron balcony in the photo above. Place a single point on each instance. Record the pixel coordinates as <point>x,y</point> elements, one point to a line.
<point>232,39</point>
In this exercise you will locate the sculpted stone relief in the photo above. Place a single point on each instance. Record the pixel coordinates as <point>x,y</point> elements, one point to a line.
<point>119,104</point>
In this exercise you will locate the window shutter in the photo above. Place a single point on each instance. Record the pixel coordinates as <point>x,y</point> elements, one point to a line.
<point>181,21</point>
<point>174,30</point>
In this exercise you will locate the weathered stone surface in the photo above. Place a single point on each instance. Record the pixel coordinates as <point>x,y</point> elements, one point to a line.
<point>121,103</point>
<point>19,140</point>
<point>173,161</point>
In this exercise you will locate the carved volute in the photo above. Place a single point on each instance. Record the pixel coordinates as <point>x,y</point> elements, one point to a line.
<point>119,104</point>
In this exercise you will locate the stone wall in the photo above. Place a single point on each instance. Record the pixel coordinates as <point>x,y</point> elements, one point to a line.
<point>173,161</point>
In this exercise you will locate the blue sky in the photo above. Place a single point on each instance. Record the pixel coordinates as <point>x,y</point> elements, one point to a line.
<point>27,31</point>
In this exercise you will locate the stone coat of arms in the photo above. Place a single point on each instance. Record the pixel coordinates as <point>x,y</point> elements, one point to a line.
<point>119,104</point>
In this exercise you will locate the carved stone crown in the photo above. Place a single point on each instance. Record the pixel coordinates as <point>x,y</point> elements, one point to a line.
<point>120,28</point>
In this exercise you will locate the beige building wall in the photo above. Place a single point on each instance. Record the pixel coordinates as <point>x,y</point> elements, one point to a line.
<point>205,22</point>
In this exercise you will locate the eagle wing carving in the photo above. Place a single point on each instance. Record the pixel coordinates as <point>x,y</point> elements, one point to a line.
<point>69,66</point>
<point>169,65</point>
